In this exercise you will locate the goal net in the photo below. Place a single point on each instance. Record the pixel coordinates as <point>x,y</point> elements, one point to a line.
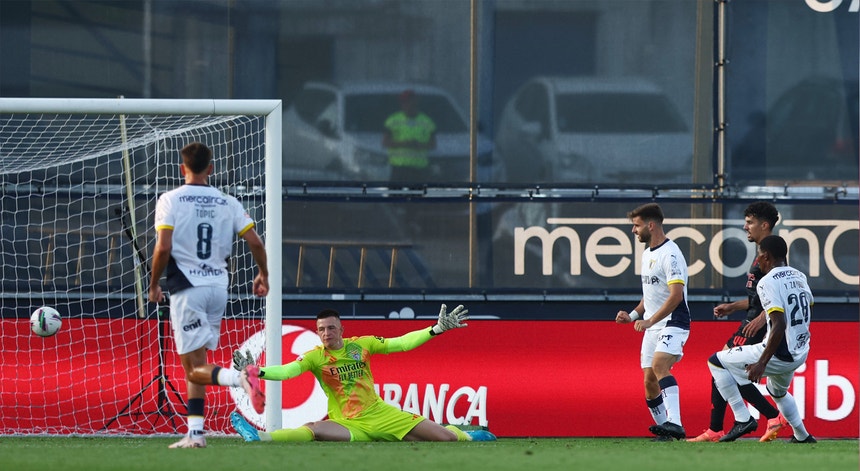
<point>79,180</point>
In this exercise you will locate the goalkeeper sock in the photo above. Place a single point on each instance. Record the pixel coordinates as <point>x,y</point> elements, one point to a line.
<point>301,434</point>
<point>226,377</point>
<point>461,435</point>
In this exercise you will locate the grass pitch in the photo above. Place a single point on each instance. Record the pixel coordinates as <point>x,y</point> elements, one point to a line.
<point>228,453</point>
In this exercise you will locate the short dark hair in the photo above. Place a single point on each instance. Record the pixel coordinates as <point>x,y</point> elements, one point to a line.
<point>326,313</point>
<point>775,246</point>
<point>196,157</point>
<point>648,212</point>
<point>763,211</point>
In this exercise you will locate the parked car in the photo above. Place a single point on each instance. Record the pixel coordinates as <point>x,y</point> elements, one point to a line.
<point>593,130</point>
<point>334,132</point>
<point>808,133</point>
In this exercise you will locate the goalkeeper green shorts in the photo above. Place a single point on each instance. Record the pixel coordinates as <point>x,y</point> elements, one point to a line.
<point>380,422</point>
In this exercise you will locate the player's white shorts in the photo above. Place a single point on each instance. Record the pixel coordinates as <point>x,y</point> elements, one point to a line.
<point>195,316</point>
<point>779,373</point>
<point>669,340</point>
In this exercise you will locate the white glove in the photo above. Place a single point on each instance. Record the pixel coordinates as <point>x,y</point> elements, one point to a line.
<point>451,320</point>
<point>240,361</point>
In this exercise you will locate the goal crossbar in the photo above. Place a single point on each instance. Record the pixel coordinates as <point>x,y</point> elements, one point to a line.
<point>153,106</point>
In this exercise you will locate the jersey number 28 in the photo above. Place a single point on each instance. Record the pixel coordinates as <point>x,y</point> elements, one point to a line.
<point>799,308</point>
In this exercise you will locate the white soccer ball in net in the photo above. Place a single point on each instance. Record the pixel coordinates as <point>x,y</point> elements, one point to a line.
<point>45,321</point>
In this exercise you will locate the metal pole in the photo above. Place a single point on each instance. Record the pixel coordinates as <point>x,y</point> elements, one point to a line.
<point>473,143</point>
<point>721,63</point>
<point>129,196</point>
<point>274,249</point>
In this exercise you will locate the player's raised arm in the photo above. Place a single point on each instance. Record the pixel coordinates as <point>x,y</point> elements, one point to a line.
<point>450,320</point>
<point>447,321</point>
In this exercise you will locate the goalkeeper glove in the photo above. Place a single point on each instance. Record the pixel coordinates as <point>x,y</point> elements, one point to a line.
<point>240,361</point>
<point>450,320</point>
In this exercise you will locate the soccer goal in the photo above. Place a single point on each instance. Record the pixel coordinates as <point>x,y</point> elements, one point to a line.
<point>79,179</point>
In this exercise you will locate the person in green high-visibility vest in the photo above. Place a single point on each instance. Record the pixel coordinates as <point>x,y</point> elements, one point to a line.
<point>409,136</point>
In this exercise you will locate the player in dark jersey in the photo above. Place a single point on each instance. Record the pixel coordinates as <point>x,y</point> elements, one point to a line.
<point>787,302</point>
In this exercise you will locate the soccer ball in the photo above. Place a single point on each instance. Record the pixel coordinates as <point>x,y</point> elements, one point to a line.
<point>45,321</point>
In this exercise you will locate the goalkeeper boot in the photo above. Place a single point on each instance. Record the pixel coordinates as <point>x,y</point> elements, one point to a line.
<point>480,435</point>
<point>243,428</point>
<point>251,385</point>
<point>773,427</point>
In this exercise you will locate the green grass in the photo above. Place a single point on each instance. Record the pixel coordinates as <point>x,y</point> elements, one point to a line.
<point>521,454</point>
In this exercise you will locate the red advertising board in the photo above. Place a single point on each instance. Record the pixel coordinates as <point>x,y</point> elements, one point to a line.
<point>580,378</point>
<point>520,378</point>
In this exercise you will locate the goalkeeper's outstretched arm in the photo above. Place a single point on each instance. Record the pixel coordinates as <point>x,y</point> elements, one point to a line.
<point>273,373</point>
<point>447,321</point>
<point>281,372</point>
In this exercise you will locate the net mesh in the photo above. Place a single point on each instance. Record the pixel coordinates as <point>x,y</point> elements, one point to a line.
<point>76,233</point>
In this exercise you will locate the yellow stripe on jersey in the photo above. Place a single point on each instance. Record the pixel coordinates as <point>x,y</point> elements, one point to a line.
<point>246,229</point>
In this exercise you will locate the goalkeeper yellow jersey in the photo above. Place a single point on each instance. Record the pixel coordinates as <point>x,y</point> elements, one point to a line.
<point>345,374</point>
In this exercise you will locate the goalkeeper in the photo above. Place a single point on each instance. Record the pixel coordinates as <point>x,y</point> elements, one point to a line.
<point>355,410</point>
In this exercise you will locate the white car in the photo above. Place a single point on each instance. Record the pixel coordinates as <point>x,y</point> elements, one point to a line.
<point>593,130</point>
<point>333,132</point>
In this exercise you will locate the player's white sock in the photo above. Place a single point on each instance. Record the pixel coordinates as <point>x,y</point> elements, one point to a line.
<point>196,411</point>
<point>195,425</point>
<point>728,388</point>
<point>671,397</point>
<point>788,408</point>
<point>657,409</point>
<point>229,377</point>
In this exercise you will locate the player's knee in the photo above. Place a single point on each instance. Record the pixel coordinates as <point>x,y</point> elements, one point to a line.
<point>199,375</point>
<point>715,361</point>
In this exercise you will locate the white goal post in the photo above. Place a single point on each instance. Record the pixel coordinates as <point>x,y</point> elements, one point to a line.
<point>78,182</point>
